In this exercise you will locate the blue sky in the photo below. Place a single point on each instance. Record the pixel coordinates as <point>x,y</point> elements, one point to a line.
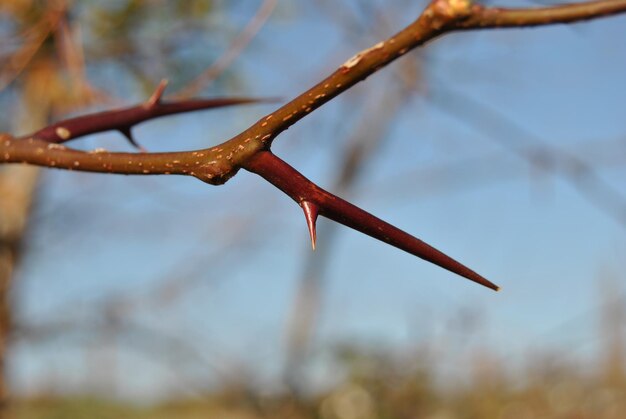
<point>244,243</point>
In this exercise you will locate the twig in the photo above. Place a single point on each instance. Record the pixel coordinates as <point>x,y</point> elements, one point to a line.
<point>124,119</point>
<point>492,17</point>
<point>249,149</point>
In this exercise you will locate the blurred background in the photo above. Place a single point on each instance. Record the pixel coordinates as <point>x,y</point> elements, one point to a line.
<point>165,297</point>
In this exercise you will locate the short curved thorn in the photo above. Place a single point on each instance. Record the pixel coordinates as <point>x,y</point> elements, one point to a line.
<point>158,93</point>
<point>310,213</point>
<point>129,136</point>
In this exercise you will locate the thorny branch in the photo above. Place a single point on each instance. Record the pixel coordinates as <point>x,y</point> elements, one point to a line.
<point>124,119</point>
<point>250,148</point>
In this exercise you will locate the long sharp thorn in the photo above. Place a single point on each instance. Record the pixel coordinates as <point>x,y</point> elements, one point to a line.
<point>354,217</point>
<point>294,184</point>
<point>310,213</point>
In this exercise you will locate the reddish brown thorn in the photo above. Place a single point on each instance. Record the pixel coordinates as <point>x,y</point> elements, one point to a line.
<point>158,93</point>
<point>129,136</point>
<point>310,213</point>
<point>300,189</point>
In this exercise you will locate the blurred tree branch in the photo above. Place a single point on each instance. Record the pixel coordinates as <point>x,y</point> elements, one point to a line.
<point>238,44</point>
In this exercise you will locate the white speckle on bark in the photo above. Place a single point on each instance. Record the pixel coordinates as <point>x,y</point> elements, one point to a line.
<point>63,133</point>
<point>357,58</point>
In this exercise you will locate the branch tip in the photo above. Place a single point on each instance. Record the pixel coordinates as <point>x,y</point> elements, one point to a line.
<point>310,214</point>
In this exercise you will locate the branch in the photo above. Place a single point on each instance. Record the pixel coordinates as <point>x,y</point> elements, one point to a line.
<point>43,153</point>
<point>124,119</point>
<point>223,161</point>
<point>250,148</point>
<point>44,147</point>
<point>491,17</point>
<point>439,18</point>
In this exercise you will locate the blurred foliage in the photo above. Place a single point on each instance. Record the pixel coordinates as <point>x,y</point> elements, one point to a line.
<point>89,52</point>
<point>378,385</point>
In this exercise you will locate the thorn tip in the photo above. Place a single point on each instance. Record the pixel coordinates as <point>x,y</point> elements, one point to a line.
<point>310,214</point>
<point>129,136</point>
